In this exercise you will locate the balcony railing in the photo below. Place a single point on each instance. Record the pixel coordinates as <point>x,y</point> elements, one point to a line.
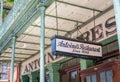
<point>14,12</point>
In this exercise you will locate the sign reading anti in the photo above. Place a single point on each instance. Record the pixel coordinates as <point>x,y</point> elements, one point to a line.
<point>74,48</point>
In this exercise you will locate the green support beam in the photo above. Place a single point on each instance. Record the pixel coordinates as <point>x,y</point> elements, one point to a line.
<point>65,18</point>
<point>42,43</point>
<point>51,28</point>
<point>79,6</point>
<point>1,11</point>
<point>12,59</point>
<point>22,22</point>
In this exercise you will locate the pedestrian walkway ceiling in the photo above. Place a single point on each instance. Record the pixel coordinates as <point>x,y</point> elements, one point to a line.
<point>63,17</point>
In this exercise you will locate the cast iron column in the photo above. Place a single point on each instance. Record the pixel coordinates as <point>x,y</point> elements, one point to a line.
<point>1,11</point>
<point>117,17</point>
<point>42,44</point>
<point>12,59</point>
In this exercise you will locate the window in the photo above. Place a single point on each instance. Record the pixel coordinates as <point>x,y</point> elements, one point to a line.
<point>102,77</point>
<point>4,71</point>
<point>73,76</point>
<point>106,76</point>
<point>88,79</point>
<point>47,76</point>
<point>109,76</point>
<point>91,78</point>
<point>69,70</point>
<point>94,78</point>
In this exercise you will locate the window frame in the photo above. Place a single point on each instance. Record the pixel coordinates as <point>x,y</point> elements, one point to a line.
<point>4,70</point>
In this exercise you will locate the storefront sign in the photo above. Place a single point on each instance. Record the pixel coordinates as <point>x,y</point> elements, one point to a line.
<point>35,63</point>
<point>32,66</point>
<point>74,48</point>
<point>100,31</point>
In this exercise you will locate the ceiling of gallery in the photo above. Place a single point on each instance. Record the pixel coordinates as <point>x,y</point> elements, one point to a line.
<point>62,17</point>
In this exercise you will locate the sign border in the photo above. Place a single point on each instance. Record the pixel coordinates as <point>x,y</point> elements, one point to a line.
<point>54,52</point>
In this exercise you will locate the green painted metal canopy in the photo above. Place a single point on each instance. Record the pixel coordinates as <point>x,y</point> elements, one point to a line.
<point>63,17</point>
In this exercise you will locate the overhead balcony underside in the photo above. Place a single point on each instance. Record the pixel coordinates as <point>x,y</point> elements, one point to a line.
<point>63,17</point>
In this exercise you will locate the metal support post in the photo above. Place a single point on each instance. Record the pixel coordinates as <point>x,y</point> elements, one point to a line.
<point>14,8</point>
<point>117,17</point>
<point>42,44</point>
<point>12,59</point>
<point>1,11</point>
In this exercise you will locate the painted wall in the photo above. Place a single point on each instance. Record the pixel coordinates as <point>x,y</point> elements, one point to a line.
<point>104,28</point>
<point>33,63</point>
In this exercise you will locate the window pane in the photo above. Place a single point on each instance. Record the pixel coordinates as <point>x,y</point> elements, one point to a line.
<point>88,79</point>
<point>94,78</point>
<point>47,76</point>
<point>3,70</point>
<point>102,77</point>
<point>73,76</point>
<point>109,76</point>
<point>3,76</point>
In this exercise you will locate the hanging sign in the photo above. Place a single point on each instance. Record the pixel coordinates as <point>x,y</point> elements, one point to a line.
<point>74,48</point>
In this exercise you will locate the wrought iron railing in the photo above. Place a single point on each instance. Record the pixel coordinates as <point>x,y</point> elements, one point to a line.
<point>14,12</point>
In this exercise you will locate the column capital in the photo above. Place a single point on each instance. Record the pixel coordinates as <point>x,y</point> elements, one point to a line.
<point>53,67</point>
<point>54,72</point>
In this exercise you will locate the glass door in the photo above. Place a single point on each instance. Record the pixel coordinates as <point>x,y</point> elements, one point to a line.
<point>70,76</point>
<point>74,76</point>
<point>69,70</point>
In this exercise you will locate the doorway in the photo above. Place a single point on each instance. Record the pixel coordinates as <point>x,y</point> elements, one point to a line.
<point>69,71</point>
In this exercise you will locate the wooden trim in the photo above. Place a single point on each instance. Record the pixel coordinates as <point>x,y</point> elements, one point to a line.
<point>101,66</point>
<point>113,65</point>
<point>114,53</point>
<point>68,70</point>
